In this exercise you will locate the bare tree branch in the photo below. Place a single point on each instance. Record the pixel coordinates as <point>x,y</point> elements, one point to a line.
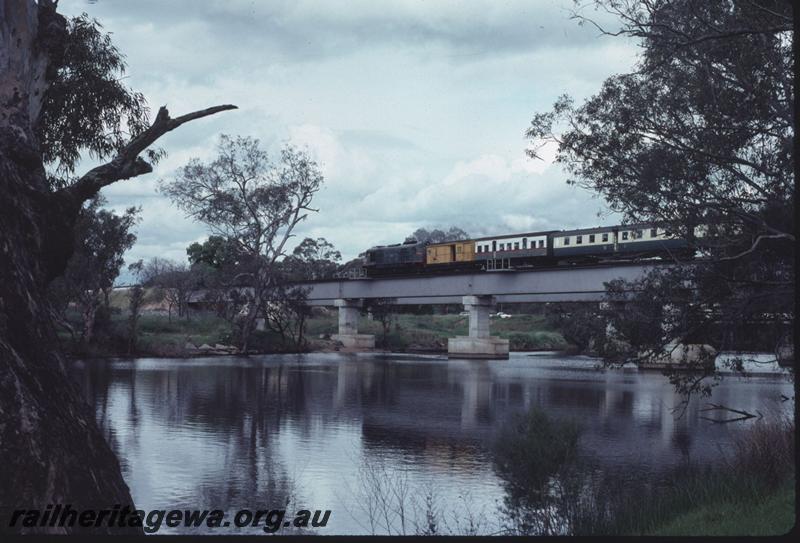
<point>128,163</point>
<point>755,245</point>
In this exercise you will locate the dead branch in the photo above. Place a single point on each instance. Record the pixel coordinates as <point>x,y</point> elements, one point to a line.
<point>755,244</point>
<point>744,415</point>
<point>127,163</point>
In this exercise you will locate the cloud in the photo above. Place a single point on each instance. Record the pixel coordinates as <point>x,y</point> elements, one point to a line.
<point>304,30</point>
<point>415,110</point>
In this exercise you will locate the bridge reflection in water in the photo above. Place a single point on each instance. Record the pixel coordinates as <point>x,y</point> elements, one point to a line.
<point>237,432</point>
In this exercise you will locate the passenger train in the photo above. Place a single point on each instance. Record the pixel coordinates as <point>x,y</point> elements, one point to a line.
<point>527,250</point>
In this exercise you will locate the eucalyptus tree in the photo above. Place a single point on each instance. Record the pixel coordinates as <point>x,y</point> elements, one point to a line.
<point>101,240</point>
<point>312,259</point>
<point>285,311</point>
<point>136,296</point>
<point>244,197</point>
<point>436,235</point>
<point>173,281</point>
<point>698,138</point>
<point>218,252</point>
<point>61,96</point>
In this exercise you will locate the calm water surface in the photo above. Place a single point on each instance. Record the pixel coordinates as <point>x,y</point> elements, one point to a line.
<point>232,433</point>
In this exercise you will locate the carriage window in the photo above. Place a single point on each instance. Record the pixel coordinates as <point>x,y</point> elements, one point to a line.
<point>625,235</point>
<point>524,243</point>
<point>566,240</point>
<point>502,246</point>
<point>479,248</point>
<point>605,237</point>
<point>591,238</point>
<point>578,239</point>
<point>494,246</point>
<point>458,248</point>
<point>516,245</point>
<point>637,234</point>
<point>541,243</point>
<point>653,232</point>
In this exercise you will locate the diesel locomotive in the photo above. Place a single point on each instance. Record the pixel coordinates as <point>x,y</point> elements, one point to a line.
<point>527,250</point>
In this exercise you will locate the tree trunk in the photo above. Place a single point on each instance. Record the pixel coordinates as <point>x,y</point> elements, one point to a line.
<point>51,450</point>
<point>89,317</point>
<point>248,325</point>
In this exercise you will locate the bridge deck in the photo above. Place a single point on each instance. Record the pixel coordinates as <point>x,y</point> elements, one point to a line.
<point>563,284</point>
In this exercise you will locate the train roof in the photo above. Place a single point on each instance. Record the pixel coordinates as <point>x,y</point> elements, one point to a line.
<point>594,230</point>
<point>449,242</point>
<point>590,230</point>
<point>599,229</point>
<point>395,245</point>
<point>520,235</point>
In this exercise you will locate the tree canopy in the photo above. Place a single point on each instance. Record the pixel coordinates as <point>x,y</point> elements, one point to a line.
<point>437,235</point>
<point>242,196</point>
<point>698,138</point>
<point>246,199</point>
<point>101,239</point>
<point>87,106</point>
<point>312,259</point>
<point>216,251</point>
<point>701,131</point>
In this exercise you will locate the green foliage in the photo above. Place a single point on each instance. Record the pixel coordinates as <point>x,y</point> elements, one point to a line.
<point>534,341</point>
<point>248,200</point>
<point>530,450</point>
<point>87,105</point>
<point>581,324</point>
<point>755,515</point>
<point>698,138</point>
<point>243,197</point>
<point>430,332</point>
<point>312,259</point>
<point>398,342</point>
<point>436,235</point>
<point>136,297</point>
<point>697,501</point>
<point>532,454</point>
<point>217,252</point>
<point>382,311</point>
<point>101,239</point>
<point>686,138</point>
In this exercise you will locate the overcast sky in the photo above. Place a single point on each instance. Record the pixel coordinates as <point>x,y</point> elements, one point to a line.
<point>415,110</point>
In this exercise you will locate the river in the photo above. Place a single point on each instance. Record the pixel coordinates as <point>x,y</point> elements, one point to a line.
<point>323,430</point>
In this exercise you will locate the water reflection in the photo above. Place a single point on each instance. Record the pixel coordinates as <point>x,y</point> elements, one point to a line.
<point>232,432</point>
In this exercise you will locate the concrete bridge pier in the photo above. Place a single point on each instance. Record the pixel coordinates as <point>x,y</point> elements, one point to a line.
<point>479,344</point>
<point>349,311</point>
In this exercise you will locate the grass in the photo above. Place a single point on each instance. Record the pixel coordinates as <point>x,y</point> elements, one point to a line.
<point>159,335</point>
<point>748,492</point>
<point>430,332</point>
<point>163,336</point>
<point>199,329</point>
<point>771,514</point>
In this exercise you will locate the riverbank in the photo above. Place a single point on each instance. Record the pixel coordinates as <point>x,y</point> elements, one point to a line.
<point>770,514</point>
<point>751,491</point>
<point>205,334</point>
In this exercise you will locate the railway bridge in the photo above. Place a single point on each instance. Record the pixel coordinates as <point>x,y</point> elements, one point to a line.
<point>478,291</point>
